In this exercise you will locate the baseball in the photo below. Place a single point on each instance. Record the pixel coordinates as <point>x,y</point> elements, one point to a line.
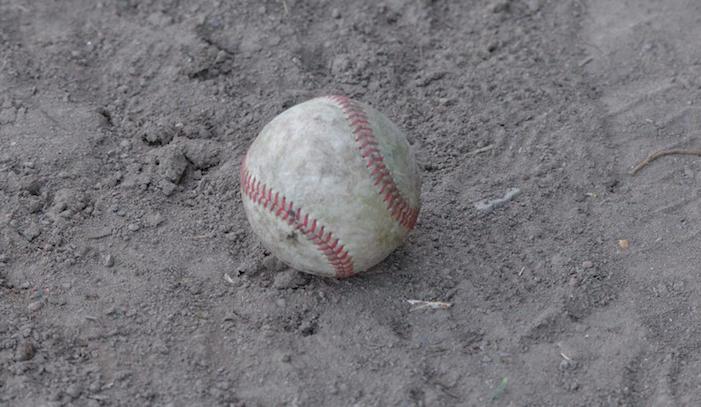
<point>331,186</point>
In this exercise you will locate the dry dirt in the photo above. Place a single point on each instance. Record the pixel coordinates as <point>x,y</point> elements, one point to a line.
<point>129,276</point>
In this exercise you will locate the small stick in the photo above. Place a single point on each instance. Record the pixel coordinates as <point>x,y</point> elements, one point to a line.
<point>199,237</point>
<point>661,153</point>
<point>481,150</point>
<point>501,388</point>
<point>284,5</point>
<point>585,61</point>
<point>420,304</point>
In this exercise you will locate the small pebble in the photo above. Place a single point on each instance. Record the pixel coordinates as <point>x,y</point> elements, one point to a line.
<point>167,187</point>
<point>566,364</point>
<point>25,351</point>
<point>35,306</point>
<point>133,227</point>
<point>122,375</point>
<point>74,390</point>
<point>500,6</point>
<point>308,328</point>
<point>109,260</point>
<point>95,386</point>
<point>35,205</point>
<point>31,232</point>
<point>82,251</point>
<point>587,264</point>
<point>154,219</point>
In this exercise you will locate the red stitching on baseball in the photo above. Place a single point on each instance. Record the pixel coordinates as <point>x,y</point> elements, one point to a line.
<point>260,194</point>
<point>397,205</point>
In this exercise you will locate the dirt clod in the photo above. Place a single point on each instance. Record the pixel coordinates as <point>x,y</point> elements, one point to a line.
<point>158,134</point>
<point>271,264</point>
<point>31,231</point>
<point>290,279</point>
<point>202,154</point>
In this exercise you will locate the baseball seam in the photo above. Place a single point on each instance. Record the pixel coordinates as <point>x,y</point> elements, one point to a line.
<point>399,208</point>
<point>284,209</point>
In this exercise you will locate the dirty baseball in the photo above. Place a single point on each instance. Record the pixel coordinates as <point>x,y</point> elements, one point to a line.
<point>331,186</point>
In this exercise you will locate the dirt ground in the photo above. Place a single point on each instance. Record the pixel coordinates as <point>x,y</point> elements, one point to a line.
<point>129,275</point>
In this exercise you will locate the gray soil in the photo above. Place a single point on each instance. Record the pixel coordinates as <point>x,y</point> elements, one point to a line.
<point>129,275</point>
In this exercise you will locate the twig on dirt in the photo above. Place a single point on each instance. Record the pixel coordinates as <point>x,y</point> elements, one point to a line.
<point>661,153</point>
<point>200,237</point>
<point>585,61</point>
<point>420,304</point>
<point>447,391</point>
<point>99,234</point>
<point>284,5</point>
<point>481,150</point>
<point>567,358</point>
<point>94,319</point>
<point>487,205</point>
<point>18,7</point>
<point>501,388</point>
